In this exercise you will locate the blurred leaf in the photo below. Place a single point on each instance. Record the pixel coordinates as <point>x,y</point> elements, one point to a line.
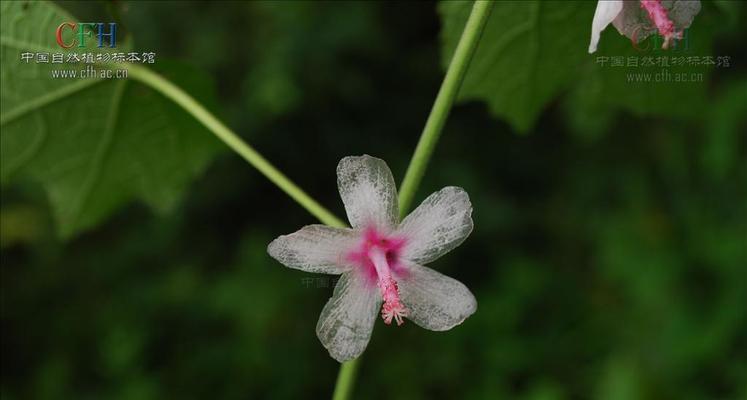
<point>588,118</point>
<point>280,55</point>
<point>620,381</point>
<point>93,144</point>
<point>726,120</point>
<point>730,9</point>
<point>662,89</point>
<point>529,52</point>
<point>20,223</point>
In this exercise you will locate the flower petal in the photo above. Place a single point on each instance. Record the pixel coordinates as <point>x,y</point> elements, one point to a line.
<point>606,12</point>
<point>634,22</point>
<point>368,191</point>
<point>314,248</point>
<point>433,300</point>
<point>440,223</point>
<point>683,12</point>
<point>347,319</point>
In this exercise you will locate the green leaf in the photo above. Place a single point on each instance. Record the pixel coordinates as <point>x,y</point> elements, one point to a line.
<point>725,121</point>
<point>93,144</point>
<point>636,89</point>
<point>532,51</point>
<point>529,52</point>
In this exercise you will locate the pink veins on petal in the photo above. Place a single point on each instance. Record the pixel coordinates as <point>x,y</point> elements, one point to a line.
<point>378,257</point>
<point>659,17</point>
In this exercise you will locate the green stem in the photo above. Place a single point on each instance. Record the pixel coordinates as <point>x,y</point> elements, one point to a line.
<point>433,126</point>
<point>233,141</point>
<point>345,380</point>
<point>444,100</point>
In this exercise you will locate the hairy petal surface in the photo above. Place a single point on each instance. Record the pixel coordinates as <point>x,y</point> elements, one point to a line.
<point>347,320</point>
<point>440,223</point>
<point>314,248</point>
<point>433,300</point>
<point>634,22</point>
<point>606,12</point>
<point>368,191</point>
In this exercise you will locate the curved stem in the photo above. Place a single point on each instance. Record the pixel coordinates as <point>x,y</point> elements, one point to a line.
<point>233,141</point>
<point>444,100</point>
<point>433,126</point>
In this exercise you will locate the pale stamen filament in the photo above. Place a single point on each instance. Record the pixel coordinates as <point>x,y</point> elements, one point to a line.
<point>392,307</point>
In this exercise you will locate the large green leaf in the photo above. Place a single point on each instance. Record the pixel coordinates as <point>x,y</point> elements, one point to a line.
<point>531,51</point>
<point>93,144</point>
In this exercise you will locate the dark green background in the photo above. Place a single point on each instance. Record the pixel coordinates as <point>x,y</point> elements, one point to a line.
<point>608,256</point>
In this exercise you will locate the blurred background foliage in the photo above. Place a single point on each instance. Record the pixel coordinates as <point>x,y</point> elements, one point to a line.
<point>608,256</point>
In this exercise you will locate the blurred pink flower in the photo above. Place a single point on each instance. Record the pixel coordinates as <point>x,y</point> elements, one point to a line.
<point>637,19</point>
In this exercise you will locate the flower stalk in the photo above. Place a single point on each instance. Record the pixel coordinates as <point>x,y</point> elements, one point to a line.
<point>232,140</point>
<point>431,132</point>
<point>444,100</point>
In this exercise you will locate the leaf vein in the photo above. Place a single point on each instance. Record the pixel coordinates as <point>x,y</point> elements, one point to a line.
<point>47,98</point>
<point>94,172</point>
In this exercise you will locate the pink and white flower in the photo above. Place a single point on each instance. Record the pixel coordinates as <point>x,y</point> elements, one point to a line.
<point>380,259</point>
<point>637,19</point>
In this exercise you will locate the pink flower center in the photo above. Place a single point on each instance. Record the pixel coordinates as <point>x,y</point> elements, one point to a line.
<point>378,255</point>
<point>659,17</point>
